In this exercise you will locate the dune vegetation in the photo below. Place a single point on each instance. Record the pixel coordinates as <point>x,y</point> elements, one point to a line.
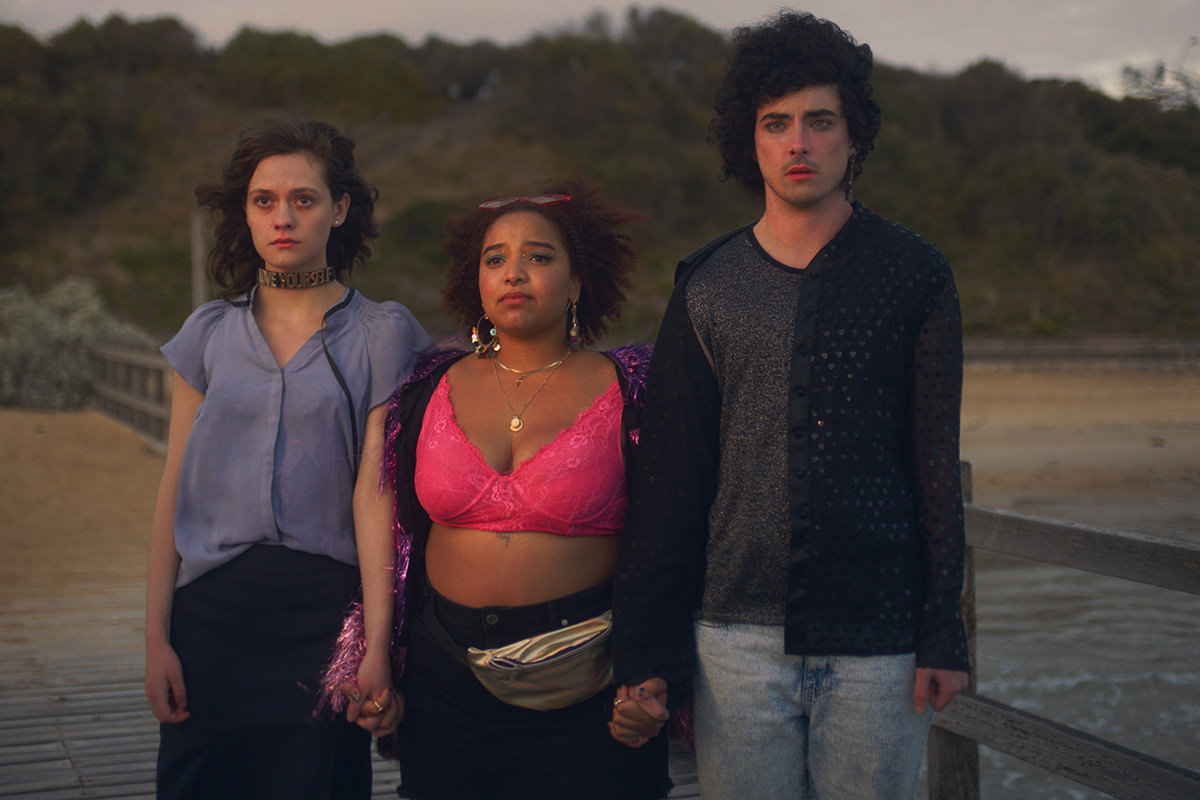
<point>1065,212</point>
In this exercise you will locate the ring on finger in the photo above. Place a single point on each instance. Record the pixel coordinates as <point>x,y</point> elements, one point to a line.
<point>378,707</point>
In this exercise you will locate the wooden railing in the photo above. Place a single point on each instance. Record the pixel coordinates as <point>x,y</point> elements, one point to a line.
<point>134,388</point>
<point>972,720</point>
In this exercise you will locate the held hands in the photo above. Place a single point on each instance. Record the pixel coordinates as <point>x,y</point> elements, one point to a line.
<point>164,684</point>
<point>937,687</point>
<point>380,715</point>
<point>372,703</point>
<point>639,713</point>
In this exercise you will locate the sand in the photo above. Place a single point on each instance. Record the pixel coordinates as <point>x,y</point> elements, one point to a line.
<point>1114,448</point>
<point>76,496</point>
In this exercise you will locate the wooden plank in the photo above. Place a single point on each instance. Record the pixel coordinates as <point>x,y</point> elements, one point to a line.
<point>25,783</point>
<point>1159,562</point>
<point>63,707</point>
<point>953,766</point>
<point>129,792</point>
<point>1081,757</point>
<point>83,727</point>
<point>133,387</point>
<point>107,697</point>
<point>21,754</point>
<point>149,359</point>
<point>953,761</point>
<point>682,768</point>
<point>132,401</point>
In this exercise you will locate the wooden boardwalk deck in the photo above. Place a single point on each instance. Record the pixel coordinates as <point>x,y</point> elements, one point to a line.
<point>73,720</point>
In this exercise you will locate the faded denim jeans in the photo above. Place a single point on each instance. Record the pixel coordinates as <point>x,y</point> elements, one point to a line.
<point>771,725</point>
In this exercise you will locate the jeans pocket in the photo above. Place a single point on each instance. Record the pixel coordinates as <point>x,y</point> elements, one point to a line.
<point>711,625</point>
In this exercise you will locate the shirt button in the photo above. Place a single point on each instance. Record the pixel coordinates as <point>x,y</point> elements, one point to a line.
<point>491,619</point>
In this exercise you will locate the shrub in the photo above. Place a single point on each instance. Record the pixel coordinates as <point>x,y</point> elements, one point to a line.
<point>45,343</point>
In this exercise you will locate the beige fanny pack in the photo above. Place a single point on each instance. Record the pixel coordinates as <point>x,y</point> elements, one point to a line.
<point>545,672</point>
<point>551,670</point>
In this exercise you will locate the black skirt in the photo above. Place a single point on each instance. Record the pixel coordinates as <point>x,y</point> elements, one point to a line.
<point>253,637</point>
<point>458,742</point>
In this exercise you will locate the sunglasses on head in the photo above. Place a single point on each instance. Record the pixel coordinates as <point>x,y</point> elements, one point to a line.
<point>535,199</point>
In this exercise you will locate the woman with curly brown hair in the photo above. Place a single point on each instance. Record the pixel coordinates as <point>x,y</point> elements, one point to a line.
<point>252,552</point>
<point>504,484</point>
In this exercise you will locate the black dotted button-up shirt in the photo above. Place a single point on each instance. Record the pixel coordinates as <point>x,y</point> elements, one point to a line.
<point>799,456</point>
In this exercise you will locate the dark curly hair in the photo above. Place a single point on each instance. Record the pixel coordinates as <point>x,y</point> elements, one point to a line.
<point>791,51</point>
<point>601,256</point>
<point>233,262</point>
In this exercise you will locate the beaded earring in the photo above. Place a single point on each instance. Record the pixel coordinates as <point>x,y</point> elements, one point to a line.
<point>489,348</point>
<point>573,332</point>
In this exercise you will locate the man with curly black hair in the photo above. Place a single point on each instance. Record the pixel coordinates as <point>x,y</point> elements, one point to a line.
<point>793,551</point>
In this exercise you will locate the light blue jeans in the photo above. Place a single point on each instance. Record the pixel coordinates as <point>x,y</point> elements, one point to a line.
<point>770,725</point>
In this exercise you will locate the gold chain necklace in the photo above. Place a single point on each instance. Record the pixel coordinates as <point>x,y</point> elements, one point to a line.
<point>516,423</point>
<point>522,374</point>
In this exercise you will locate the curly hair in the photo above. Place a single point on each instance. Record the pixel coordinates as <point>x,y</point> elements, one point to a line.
<point>602,257</point>
<point>233,260</point>
<point>788,52</point>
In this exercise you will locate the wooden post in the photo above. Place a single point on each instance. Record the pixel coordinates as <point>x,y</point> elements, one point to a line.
<point>199,282</point>
<point>953,760</point>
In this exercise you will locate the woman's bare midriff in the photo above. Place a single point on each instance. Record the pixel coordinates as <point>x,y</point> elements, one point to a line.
<point>484,568</point>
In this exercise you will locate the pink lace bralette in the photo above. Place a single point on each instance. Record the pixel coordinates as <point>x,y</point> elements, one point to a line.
<point>573,486</point>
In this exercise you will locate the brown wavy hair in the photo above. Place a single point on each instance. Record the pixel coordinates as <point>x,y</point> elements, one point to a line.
<point>601,256</point>
<point>233,262</point>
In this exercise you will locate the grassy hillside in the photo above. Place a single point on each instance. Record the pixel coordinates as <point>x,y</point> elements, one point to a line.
<point>1064,212</point>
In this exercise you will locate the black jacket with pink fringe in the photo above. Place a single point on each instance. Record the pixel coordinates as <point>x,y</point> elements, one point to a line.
<point>411,524</point>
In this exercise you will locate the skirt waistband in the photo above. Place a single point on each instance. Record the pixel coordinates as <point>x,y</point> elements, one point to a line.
<point>494,626</point>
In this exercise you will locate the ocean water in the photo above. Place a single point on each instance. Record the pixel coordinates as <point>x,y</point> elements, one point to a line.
<point>1113,658</point>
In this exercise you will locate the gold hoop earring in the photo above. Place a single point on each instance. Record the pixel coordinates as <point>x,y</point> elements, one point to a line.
<point>489,348</point>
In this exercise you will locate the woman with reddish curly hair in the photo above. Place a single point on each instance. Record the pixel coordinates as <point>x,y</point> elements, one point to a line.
<point>504,494</point>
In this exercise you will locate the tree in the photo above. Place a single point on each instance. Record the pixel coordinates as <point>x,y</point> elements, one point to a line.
<point>1171,89</point>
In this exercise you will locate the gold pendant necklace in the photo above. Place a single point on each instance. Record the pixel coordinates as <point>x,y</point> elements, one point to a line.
<point>516,423</point>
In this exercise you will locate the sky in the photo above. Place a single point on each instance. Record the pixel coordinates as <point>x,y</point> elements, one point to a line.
<point>1086,40</point>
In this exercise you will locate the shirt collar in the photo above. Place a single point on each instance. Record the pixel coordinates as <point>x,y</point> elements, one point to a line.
<point>338,313</point>
<point>335,315</point>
